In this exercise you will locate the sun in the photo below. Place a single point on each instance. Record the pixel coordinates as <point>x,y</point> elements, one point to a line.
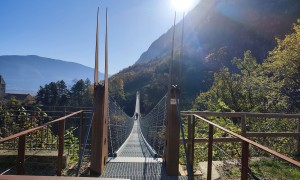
<point>182,5</point>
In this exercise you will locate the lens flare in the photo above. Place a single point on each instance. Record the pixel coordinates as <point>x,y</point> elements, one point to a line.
<point>182,5</point>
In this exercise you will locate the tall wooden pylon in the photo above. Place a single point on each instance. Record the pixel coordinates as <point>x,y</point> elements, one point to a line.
<point>99,140</point>
<point>172,126</point>
<point>96,70</point>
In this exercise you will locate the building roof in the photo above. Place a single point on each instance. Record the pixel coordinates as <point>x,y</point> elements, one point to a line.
<point>17,96</point>
<point>2,80</point>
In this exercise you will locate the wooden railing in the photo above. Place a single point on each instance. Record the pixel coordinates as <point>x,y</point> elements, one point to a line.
<point>22,141</point>
<point>194,116</point>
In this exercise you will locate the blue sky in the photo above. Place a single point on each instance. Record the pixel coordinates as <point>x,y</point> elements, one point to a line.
<point>65,29</point>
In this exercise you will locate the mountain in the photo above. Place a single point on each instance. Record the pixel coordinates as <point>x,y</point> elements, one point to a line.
<point>238,25</point>
<point>215,32</point>
<point>28,73</point>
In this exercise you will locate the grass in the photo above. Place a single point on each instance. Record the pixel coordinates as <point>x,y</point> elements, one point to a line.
<point>265,169</point>
<point>274,169</point>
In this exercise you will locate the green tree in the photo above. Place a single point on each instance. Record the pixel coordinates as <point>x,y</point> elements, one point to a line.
<point>53,94</point>
<point>282,68</point>
<point>116,89</point>
<point>225,95</point>
<point>63,93</point>
<point>43,94</point>
<point>88,93</point>
<point>81,93</point>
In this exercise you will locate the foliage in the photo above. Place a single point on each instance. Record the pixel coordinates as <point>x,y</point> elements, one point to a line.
<point>272,86</point>
<point>116,88</point>
<point>274,169</point>
<point>57,94</point>
<point>15,118</point>
<point>41,139</point>
<point>151,80</point>
<point>71,144</point>
<point>283,70</point>
<point>53,94</point>
<point>81,93</point>
<point>234,92</point>
<point>263,168</point>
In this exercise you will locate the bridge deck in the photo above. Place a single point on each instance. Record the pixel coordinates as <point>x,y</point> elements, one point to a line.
<point>134,161</point>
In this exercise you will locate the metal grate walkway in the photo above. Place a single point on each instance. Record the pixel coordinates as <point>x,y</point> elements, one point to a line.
<point>134,161</point>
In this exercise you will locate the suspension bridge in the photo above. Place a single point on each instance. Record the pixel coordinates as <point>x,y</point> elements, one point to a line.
<point>114,145</point>
<point>136,159</point>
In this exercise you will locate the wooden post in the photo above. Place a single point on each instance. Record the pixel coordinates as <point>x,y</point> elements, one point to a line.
<point>80,132</point>
<point>191,139</point>
<point>21,155</point>
<point>245,160</point>
<point>243,125</point>
<point>99,142</point>
<point>61,139</point>
<point>99,133</point>
<point>210,149</point>
<point>172,135</point>
<point>298,131</point>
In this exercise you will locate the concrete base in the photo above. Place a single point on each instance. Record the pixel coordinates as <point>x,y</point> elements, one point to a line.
<point>214,172</point>
<point>36,157</point>
<point>183,171</point>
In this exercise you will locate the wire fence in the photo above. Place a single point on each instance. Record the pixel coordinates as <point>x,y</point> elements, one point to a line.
<point>119,127</point>
<point>153,126</point>
<point>39,145</point>
<point>278,132</point>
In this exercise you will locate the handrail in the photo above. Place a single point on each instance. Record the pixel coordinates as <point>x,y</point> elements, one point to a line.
<point>245,141</point>
<point>239,114</point>
<point>37,128</point>
<point>294,162</point>
<point>22,142</point>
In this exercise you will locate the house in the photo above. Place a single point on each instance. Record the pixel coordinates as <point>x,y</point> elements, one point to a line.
<point>23,98</point>
<point>2,87</point>
<point>26,99</point>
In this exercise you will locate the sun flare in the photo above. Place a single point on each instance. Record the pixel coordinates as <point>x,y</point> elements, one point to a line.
<point>182,5</point>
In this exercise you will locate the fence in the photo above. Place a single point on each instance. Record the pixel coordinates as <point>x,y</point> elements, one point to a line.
<point>38,141</point>
<point>244,118</point>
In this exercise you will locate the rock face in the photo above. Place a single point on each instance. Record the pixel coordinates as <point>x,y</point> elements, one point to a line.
<point>238,25</point>
<point>28,73</point>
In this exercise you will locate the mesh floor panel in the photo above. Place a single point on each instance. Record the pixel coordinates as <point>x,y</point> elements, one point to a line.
<point>134,161</point>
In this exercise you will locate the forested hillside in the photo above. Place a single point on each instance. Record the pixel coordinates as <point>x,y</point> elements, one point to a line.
<point>273,86</point>
<point>215,33</point>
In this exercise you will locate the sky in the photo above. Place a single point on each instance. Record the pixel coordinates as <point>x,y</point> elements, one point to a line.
<point>65,29</point>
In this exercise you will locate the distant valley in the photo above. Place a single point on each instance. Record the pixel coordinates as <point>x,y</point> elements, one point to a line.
<point>25,74</point>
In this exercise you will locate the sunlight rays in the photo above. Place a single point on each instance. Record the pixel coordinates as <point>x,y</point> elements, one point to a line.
<point>182,5</point>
